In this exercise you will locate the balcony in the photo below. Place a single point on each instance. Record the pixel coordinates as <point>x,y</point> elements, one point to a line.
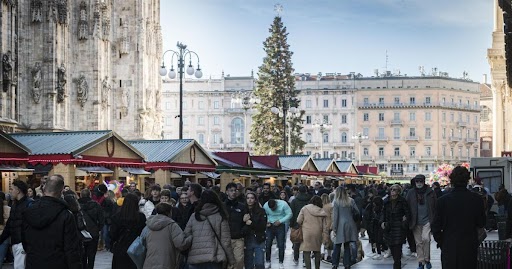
<point>396,158</point>
<point>343,144</point>
<point>412,138</point>
<point>216,146</point>
<point>230,146</point>
<point>428,158</point>
<point>397,122</point>
<point>462,124</point>
<point>312,145</point>
<point>381,139</point>
<point>234,110</point>
<point>470,140</point>
<point>455,138</point>
<point>367,158</point>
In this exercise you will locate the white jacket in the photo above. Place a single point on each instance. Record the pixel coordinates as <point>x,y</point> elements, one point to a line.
<point>146,207</point>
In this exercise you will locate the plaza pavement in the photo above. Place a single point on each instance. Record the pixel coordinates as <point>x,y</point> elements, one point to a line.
<point>104,258</point>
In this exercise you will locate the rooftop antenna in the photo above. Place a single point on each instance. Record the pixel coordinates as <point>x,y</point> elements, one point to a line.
<point>422,70</point>
<point>278,8</point>
<point>387,58</point>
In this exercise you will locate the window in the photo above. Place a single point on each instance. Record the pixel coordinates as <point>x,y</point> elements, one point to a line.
<point>381,100</point>
<point>451,133</point>
<point>452,117</point>
<point>200,138</point>
<point>476,134</point>
<point>343,118</point>
<point>491,179</point>
<point>383,167</point>
<point>326,119</point>
<point>428,133</point>
<point>444,116</point>
<point>428,116</point>
<point>396,133</point>
<point>365,101</point>
<point>185,120</point>
<point>475,152</point>
<point>381,116</point>
<point>397,101</point>
<point>184,105</point>
<point>412,151</point>
<point>460,152</point>
<point>412,100</point>
<point>309,138</point>
<point>366,117</point>
<point>397,152</point>
<point>216,120</point>
<point>308,103</point>
<point>168,121</point>
<point>413,167</point>
<point>237,131</point>
<point>412,132</point>
<point>216,104</point>
<point>381,132</point>
<point>444,150</point>
<point>200,105</point>
<point>168,105</point>
<point>326,154</point>
<point>326,103</point>
<point>200,120</point>
<point>381,151</point>
<point>308,119</point>
<point>365,131</point>
<point>427,100</point>
<point>467,152</point>
<point>451,152</point>
<point>444,133</point>
<point>343,154</point>
<point>412,116</point>
<point>476,119</point>
<point>396,116</point>
<point>325,138</point>
<point>365,152</point>
<point>428,150</point>
<point>343,102</point>
<point>216,138</point>
<point>484,114</point>
<point>343,137</point>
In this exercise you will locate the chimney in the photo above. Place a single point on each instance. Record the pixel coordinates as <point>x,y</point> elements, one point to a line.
<point>484,79</point>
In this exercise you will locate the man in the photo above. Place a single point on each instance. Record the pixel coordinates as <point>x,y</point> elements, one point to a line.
<point>266,195</point>
<point>133,187</point>
<point>49,234</point>
<point>39,190</point>
<point>183,213</point>
<point>422,205</point>
<point>194,192</point>
<point>295,191</point>
<point>209,183</point>
<point>318,189</point>
<point>278,213</point>
<point>155,194</point>
<point>437,189</point>
<point>240,192</point>
<point>459,214</point>
<point>94,219</point>
<point>13,229</point>
<point>236,212</point>
<point>301,199</point>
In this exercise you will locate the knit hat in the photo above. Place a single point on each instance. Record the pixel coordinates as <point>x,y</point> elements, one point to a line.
<point>419,178</point>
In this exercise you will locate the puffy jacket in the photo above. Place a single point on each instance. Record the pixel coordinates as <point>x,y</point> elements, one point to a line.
<point>236,211</point>
<point>182,215</point>
<point>258,224</point>
<point>163,243</point>
<point>93,214</point>
<point>395,227</point>
<point>146,207</point>
<point>50,236</point>
<point>205,245</point>
<point>14,223</point>
<point>300,201</point>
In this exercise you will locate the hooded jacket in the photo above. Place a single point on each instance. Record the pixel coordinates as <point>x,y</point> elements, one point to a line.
<point>13,225</point>
<point>50,235</point>
<point>314,227</point>
<point>205,245</point>
<point>163,243</point>
<point>301,200</point>
<point>93,214</point>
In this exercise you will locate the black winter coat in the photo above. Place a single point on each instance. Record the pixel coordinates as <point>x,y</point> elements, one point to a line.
<point>258,226</point>
<point>375,226</point>
<point>93,215</point>
<point>50,236</point>
<point>14,223</point>
<point>395,229</point>
<point>236,212</point>
<point>122,234</point>
<point>263,199</point>
<point>300,201</point>
<point>182,215</point>
<point>458,215</point>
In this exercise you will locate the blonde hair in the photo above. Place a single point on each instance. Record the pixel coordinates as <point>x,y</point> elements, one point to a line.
<point>342,197</point>
<point>325,199</point>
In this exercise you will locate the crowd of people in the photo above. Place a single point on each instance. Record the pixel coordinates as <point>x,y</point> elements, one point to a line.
<point>196,227</point>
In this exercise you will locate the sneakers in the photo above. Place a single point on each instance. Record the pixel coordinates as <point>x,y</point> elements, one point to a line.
<point>428,265</point>
<point>296,262</point>
<point>267,265</point>
<point>377,257</point>
<point>414,254</point>
<point>407,252</point>
<point>281,265</point>
<point>371,255</point>
<point>420,266</point>
<point>387,254</point>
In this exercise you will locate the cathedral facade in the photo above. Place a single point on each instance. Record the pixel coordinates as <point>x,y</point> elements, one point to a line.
<point>81,65</point>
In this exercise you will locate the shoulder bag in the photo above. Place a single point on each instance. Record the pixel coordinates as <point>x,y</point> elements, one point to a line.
<point>137,250</point>
<point>224,264</point>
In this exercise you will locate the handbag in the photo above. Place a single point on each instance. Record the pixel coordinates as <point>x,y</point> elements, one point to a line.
<point>296,235</point>
<point>482,234</point>
<point>86,236</point>
<point>225,263</point>
<point>137,250</point>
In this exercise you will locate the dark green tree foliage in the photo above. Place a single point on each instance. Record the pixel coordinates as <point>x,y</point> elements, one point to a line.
<point>275,88</point>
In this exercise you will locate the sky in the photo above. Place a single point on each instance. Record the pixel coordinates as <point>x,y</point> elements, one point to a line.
<point>339,36</point>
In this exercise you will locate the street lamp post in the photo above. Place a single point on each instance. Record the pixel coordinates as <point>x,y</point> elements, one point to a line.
<point>324,126</point>
<point>359,137</point>
<point>283,112</point>
<point>247,100</point>
<point>180,55</point>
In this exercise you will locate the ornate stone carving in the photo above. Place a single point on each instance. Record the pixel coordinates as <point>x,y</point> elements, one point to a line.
<point>142,34</point>
<point>105,28</point>
<point>125,101</point>
<point>125,42</point>
<point>83,26</point>
<point>10,2</point>
<point>61,83</point>
<point>36,83</point>
<point>82,90</point>
<point>37,10</point>
<point>62,11</point>
<point>52,10</point>
<point>150,103</point>
<point>105,93</point>
<point>6,71</point>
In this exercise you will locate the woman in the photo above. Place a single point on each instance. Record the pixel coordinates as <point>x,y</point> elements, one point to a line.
<point>327,207</point>
<point>146,206</point>
<point>165,240</point>
<point>126,225</point>
<point>312,218</point>
<point>367,219</point>
<point>4,215</point>
<point>374,228</point>
<point>255,226</point>
<point>344,227</point>
<point>209,228</point>
<point>71,199</point>
<point>395,217</point>
<point>184,207</point>
<point>31,193</point>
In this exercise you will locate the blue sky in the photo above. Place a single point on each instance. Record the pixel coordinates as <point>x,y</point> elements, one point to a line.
<point>336,35</point>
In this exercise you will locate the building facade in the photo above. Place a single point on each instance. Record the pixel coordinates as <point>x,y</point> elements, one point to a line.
<point>486,119</point>
<point>82,65</point>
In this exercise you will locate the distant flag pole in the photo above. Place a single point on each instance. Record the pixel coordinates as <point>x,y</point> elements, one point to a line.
<point>278,8</point>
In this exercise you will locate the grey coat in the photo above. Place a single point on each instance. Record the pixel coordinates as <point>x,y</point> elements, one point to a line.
<point>205,246</point>
<point>343,223</point>
<point>430,199</point>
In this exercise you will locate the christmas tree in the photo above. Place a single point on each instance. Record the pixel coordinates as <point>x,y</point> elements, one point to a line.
<point>276,88</point>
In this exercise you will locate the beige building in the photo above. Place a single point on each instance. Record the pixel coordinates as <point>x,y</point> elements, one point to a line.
<point>486,119</point>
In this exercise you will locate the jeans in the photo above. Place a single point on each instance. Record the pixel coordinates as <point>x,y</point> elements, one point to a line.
<point>105,236</point>
<point>89,254</point>
<point>277,232</point>
<point>3,250</point>
<point>206,265</point>
<point>254,254</point>
<point>347,257</point>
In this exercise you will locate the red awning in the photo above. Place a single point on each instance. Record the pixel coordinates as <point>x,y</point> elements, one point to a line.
<point>181,167</point>
<point>84,160</point>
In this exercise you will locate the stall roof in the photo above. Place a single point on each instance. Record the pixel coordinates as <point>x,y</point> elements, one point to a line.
<point>161,150</point>
<point>95,169</point>
<point>14,142</point>
<point>296,162</point>
<point>271,161</point>
<point>136,171</point>
<point>347,166</point>
<point>211,174</point>
<point>323,164</point>
<point>240,158</point>
<point>10,168</point>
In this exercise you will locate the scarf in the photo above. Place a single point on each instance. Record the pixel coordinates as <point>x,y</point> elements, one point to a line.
<point>420,194</point>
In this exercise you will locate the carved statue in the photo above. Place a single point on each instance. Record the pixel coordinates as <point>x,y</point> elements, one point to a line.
<point>150,101</point>
<point>125,101</point>
<point>61,83</point>
<point>143,117</point>
<point>142,34</point>
<point>106,28</point>
<point>36,76</point>
<point>37,11</point>
<point>82,90</point>
<point>105,93</point>
<point>83,27</point>
<point>125,44</point>
<point>62,11</point>
<point>6,71</point>
<point>158,98</point>
<point>52,10</point>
